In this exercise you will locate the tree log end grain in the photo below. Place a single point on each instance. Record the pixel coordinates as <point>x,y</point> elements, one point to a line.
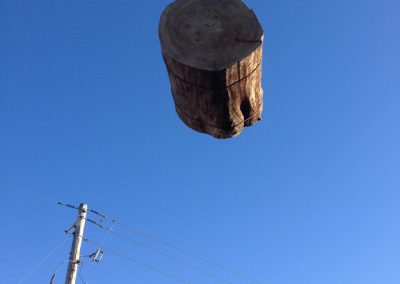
<point>213,53</point>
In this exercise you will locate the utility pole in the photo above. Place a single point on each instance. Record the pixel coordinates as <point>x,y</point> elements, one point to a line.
<point>74,258</point>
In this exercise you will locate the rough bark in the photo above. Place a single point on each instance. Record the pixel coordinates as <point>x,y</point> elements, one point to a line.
<point>213,53</point>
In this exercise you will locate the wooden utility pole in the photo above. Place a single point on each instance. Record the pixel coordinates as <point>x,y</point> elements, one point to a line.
<point>74,258</point>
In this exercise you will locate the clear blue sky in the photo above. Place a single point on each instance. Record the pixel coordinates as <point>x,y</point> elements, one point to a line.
<point>310,195</point>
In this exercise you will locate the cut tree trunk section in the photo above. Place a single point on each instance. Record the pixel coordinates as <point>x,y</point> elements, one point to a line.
<point>213,53</point>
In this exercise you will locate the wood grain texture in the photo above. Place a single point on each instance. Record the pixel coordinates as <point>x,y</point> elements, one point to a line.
<point>213,53</point>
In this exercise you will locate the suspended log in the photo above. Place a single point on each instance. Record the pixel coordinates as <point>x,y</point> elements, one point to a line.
<point>213,53</point>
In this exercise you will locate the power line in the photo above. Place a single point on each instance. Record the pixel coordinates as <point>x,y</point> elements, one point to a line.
<point>107,234</point>
<point>80,273</point>
<point>33,194</point>
<point>139,262</point>
<point>42,197</point>
<point>203,259</point>
<point>184,251</point>
<point>53,277</point>
<point>173,258</point>
<point>43,260</point>
<point>82,279</point>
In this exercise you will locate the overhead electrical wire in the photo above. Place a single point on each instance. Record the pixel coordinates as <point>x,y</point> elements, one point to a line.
<point>80,272</point>
<point>203,259</point>
<point>153,268</point>
<point>81,278</point>
<point>41,196</point>
<point>53,277</point>
<point>42,261</point>
<point>32,194</point>
<point>173,258</point>
<point>107,234</point>
<point>184,251</point>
